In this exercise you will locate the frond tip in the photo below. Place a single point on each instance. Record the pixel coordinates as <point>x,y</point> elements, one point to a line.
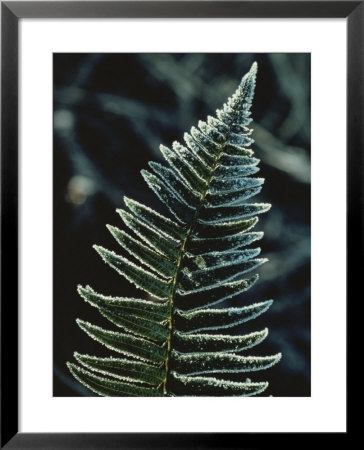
<point>174,343</point>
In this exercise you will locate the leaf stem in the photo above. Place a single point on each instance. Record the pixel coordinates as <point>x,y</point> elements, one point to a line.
<point>179,259</point>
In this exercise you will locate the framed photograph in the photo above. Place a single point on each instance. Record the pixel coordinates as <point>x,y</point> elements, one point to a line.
<point>181,190</point>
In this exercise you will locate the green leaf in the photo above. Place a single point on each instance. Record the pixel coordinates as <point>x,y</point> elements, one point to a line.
<point>156,261</point>
<point>213,296</point>
<point>200,151</point>
<point>110,388</point>
<point>224,214</point>
<point>184,170</point>
<point>188,197</point>
<point>194,343</point>
<point>160,223</point>
<point>150,235</point>
<point>237,160</point>
<point>237,150</point>
<point>212,133</point>
<point>210,146</point>
<point>156,311</point>
<point>235,198</point>
<point>124,369</point>
<point>218,125</point>
<point>241,119</point>
<point>138,326</point>
<point>199,165</point>
<point>182,385</point>
<point>142,279</point>
<point>235,171</point>
<point>226,185</point>
<point>224,229</point>
<point>182,212</point>
<point>239,139</point>
<point>125,343</point>
<point>210,278</point>
<point>201,363</point>
<point>217,319</point>
<point>217,259</point>
<point>202,245</point>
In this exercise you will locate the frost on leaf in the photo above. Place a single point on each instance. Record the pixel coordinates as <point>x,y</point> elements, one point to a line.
<point>186,262</point>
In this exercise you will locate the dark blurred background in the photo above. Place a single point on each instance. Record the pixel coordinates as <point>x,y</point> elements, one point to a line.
<point>111,112</point>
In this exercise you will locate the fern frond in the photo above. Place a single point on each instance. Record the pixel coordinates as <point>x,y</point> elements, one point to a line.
<point>188,262</point>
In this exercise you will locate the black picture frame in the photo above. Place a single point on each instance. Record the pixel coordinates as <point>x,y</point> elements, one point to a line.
<point>11,13</point>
